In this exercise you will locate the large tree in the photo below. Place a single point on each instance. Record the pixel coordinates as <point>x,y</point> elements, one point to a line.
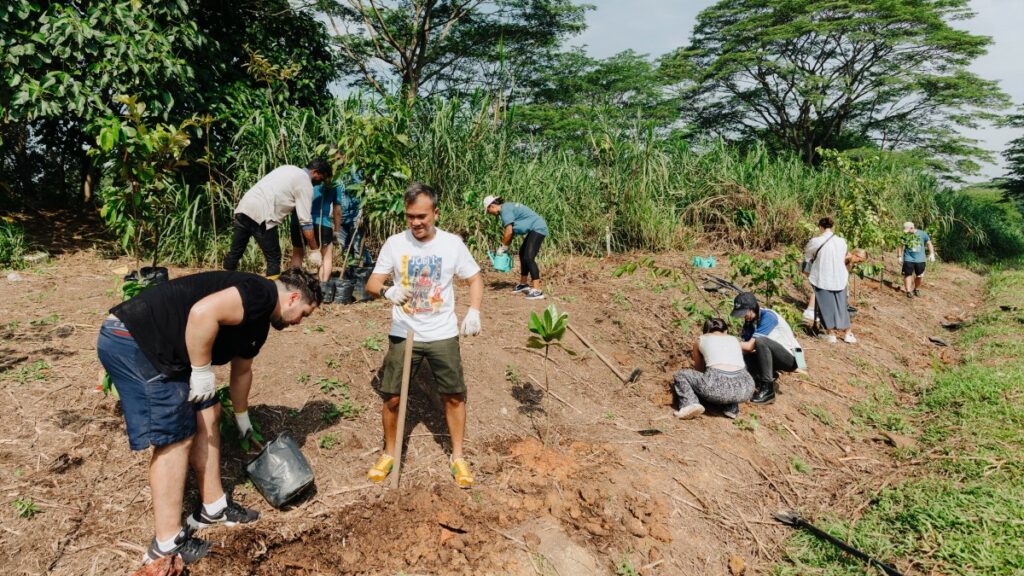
<point>1014,156</point>
<point>426,46</point>
<point>63,65</point>
<point>809,74</point>
<point>576,95</point>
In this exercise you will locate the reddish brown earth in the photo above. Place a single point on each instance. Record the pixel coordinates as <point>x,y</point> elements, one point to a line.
<point>565,485</point>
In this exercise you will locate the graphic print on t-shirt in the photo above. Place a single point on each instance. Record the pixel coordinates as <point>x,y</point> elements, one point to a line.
<point>423,277</point>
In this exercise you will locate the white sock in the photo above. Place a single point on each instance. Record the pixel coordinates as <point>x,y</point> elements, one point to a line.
<point>166,545</point>
<point>215,507</point>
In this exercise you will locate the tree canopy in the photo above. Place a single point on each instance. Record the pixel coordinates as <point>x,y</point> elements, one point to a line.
<point>417,46</point>
<point>810,74</point>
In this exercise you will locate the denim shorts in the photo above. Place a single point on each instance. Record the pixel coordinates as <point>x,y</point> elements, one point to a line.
<point>156,408</point>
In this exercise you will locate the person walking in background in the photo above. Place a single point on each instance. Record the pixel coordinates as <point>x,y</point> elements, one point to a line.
<point>768,345</point>
<point>350,238</point>
<point>719,375</point>
<point>829,277</point>
<point>159,348</point>
<point>911,252</point>
<point>423,262</point>
<point>326,216</point>
<point>267,204</point>
<point>517,218</point>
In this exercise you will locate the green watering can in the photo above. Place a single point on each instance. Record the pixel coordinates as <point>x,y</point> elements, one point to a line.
<point>501,262</point>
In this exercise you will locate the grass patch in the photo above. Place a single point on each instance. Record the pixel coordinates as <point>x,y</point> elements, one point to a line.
<point>961,510</point>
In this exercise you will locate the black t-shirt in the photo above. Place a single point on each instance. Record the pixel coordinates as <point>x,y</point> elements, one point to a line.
<point>156,317</point>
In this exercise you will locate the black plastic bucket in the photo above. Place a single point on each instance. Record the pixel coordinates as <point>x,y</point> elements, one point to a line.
<point>342,291</point>
<point>359,277</point>
<point>328,289</point>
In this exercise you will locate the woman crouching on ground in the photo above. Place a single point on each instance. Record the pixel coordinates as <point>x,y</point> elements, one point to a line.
<point>718,377</point>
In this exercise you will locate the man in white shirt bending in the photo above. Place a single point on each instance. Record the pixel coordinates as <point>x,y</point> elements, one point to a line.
<point>422,262</point>
<point>267,204</point>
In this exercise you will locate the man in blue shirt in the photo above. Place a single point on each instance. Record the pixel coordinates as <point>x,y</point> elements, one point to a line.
<point>911,252</point>
<point>323,211</point>
<point>349,207</point>
<point>517,218</point>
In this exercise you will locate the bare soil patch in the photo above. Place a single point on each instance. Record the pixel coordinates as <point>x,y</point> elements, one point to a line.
<point>593,493</point>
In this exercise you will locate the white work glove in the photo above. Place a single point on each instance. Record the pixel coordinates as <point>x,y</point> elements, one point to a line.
<point>314,258</point>
<point>471,323</point>
<point>931,258</point>
<point>398,295</point>
<point>202,385</point>
<point>244,424</point>
<point>502,249</point>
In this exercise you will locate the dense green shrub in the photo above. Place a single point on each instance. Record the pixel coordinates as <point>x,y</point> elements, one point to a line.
<point>12,245</point>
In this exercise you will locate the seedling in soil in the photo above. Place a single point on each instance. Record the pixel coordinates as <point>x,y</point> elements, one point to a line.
<point>624,567</point>
<point>34,372</point>
<point>319,328</point>
<point>303,378</point>
<point>25,507</point>
<point>345,411</point>
<point>46,320</point>
<point>293,413</point>
<point>549,329</point>
<point>19,472</point>
<point>332,387</point>
<point>823,416</point>
<point>512,375</point>
<point>327,441</point>
<point>333,363</point>
<point>750,424</point>
<point>374,343</point>
<point>799,465</point>
<point>609,415</point>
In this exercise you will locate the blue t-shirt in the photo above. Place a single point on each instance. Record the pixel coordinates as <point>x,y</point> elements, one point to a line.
<point>347,199</point>
<point>522,219</point>
<point>324,199</point>
<point>763,327</point>
<point>914,244</point>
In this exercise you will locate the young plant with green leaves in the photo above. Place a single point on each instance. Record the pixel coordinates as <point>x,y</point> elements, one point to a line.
<point>548,329</point>
<point>769,276</point>
<point>143,160</point>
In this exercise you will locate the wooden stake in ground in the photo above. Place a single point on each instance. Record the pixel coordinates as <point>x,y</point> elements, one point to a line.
<point>403,402</point>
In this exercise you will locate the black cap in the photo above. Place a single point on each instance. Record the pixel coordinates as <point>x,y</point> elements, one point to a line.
<point>744,301</point>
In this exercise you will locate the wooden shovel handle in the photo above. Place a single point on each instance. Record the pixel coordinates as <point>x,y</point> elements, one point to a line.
<point>599,355</point>
<point>403,402</point>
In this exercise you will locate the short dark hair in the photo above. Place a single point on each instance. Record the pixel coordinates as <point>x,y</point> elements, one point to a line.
<point>417,189</point>
<point>499,201</point>
<point>322,166</point>
<point>826,222</point>
<point>715,325</point>
<point>307,284</point>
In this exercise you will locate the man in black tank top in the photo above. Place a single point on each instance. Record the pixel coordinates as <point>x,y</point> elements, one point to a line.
<point>159,349</point>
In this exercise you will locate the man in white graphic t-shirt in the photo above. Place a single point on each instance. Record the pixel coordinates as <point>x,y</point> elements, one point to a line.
<point>422,262</point>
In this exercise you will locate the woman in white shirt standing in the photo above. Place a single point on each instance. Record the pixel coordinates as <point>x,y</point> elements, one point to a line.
<point>829,277</point>
<point>719,375</point>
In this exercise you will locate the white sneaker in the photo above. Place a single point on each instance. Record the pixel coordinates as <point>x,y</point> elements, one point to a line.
<point>687,412</point>
<point>830,338</point>
<point>809,314</point>
<point>850,338</point>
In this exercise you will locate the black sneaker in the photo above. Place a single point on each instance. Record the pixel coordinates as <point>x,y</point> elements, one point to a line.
<point>917,294</point>
<point>189,548</point>
<point>233,515</point>
<point>520,288</point>
<point>535,294</point>
<point>731,411</point>
<point>764,395</point>
<point>910,294</point>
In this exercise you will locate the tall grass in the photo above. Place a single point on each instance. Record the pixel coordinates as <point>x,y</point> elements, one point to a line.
<point>632,189</point>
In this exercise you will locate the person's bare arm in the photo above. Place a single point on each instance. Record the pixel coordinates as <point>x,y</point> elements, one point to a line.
<point>931,249</point>
<point>241,383</point>
<point>375,285</point>
<point>698,358</point>
<point>476,291</point>
<point>748,346</point>
<point>222,308</point>
<point>506,237</point>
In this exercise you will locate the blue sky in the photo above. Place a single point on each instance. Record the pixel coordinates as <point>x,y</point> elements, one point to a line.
<point>655,27</point>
